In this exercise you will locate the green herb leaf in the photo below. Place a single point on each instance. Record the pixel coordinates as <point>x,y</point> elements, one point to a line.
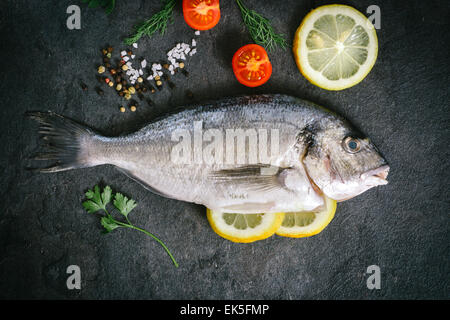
<point>94,3</point>
<point>96,200</point>
<point>260,29</point>
<point>123,204</point>
<point>108,5</point>
<point>91,206</point>
<point>109,224</point>
<point>106,195</point>
<point>157,22</point>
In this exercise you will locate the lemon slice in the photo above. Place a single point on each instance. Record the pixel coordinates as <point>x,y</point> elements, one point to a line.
<point>244,228</point>
<point>305,224</point>
<point>335,47</point>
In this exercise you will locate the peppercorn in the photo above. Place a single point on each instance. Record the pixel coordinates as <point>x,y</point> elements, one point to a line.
<point>110,49</point>
<point>152,90</point>
<point>100,92</point>
<point>184,72</point>
<point>181,65</point>
<point>84,86</point>
<point>124,67</point>
<point>144,89</point>
<point>132,90</point>
<point>121,93</point>
<point>140,80</point>
<point>101,69</point>
<point>127,96</point>
<point>108,65</point>
<point>119,87</point>
<point>130,53</point>
<point>166,66</point>
<point>122,109</point>
<point>104,51</point>
<point>124,82</point>
<point>157,78</point>
<point>159,83</point>
<point>133,108</point>
<point>149,102</point>
<point>105,59</point>
<point>108,54</point>
<point>113,71</point>
<point>110,83</point>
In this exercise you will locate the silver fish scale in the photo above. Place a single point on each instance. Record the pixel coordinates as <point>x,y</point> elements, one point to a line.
<point>146,154</point>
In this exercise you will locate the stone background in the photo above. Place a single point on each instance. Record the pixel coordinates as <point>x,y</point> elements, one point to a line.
<point>403,105</point>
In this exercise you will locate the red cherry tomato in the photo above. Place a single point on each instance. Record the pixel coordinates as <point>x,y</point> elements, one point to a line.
<point>201,14</point>
<point>251,65</point>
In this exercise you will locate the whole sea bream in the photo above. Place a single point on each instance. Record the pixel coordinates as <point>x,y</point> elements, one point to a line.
<point>249,154</point>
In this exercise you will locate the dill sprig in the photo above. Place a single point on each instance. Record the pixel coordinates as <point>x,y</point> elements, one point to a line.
<point>157,22</point>
<point>260,29</point>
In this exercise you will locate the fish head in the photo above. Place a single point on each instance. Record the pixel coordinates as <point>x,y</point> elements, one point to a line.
<point>343,163</point>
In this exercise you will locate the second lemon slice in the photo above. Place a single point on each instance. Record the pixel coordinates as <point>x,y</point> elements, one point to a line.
<point>335,47</point>
<point>244,228</point>
<point>305,224</point>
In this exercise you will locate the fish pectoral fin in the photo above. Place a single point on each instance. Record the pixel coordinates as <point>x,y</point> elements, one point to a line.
<point>131,175</point>
<point>257,177</point>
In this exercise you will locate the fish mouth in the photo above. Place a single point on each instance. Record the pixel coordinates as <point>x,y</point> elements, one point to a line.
<point>376,176</point>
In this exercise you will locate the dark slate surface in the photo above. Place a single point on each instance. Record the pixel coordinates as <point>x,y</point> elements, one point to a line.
<point>402,105</point>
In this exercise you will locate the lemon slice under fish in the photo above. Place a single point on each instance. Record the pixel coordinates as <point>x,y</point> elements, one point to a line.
<point>244,228</point>
<point>305,224</point>
<point>335,47</point>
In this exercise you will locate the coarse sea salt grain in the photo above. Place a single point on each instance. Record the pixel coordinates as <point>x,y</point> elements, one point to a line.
<point>125,58</point>
<point>194,43</point>
<point>143,63</point>
<point>123,53</point>
<point>197,33</point>
<point>135,45</point>
<point>133,56</point>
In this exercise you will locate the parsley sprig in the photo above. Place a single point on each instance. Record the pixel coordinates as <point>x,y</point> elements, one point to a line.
<point>260,29</point>
<point>98,202</point>
<point>107,4</point>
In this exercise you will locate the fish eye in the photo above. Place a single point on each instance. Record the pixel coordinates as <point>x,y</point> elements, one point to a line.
<point>351,145</point>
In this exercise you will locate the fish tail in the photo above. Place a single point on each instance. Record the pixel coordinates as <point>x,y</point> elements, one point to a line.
<point>65,142</point>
